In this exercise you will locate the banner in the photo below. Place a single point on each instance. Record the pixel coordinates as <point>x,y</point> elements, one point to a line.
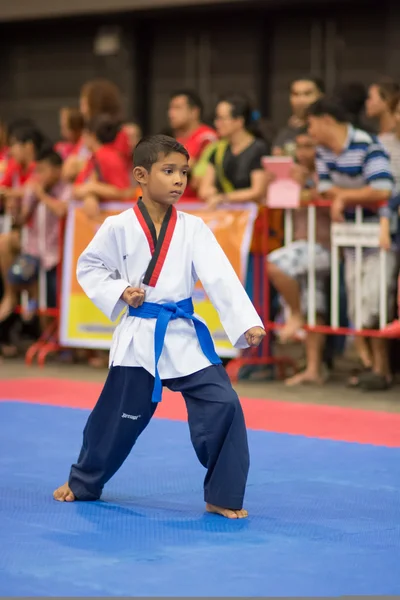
<point>82,325</point>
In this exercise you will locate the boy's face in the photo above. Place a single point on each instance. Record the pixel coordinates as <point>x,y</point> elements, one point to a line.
<point>134,134</point>
<point>84,106</point>
<point>305,150</point>
<point>319,128</point>
<point>19,151</point>
<point>89,139</point>
<point>375,105</point>
<point>47,174</point>
<point>66,132</point>
<point>167,179</point>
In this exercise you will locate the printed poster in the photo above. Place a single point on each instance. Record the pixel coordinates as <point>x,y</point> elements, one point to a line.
<point>82,325</point>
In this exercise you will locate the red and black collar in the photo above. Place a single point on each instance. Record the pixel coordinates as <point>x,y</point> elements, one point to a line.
<point>158,246</point>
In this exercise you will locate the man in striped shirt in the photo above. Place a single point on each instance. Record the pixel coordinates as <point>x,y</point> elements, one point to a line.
<point>353,168</point>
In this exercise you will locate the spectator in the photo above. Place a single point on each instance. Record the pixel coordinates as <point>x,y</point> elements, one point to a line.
<point>390,222</point>
<point>25,143</point>
<point>287,267</point>
<point>353,97</point>
<point>379,104</point>
<point>134,134</point>
<point>71,127</point>
<point>45,189</point>
<point>185,117</point>
<point>353,168</point>
<point>303,92</point>
<point>98,97</point>
<point>235,172</point>
<point>105,176</point>
<point>4,149</point>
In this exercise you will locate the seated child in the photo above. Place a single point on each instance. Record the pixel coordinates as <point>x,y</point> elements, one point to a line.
<point>44,204</point>
<point>106,176</point>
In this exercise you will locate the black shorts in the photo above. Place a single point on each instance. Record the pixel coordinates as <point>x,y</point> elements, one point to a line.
<point>51,284</point>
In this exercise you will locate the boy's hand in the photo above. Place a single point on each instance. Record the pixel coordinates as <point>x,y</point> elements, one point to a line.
<point>299,174</point>
<point>133,296</point>
<point>255,336</point>
<point>214,201</point>
<point>337,208</point>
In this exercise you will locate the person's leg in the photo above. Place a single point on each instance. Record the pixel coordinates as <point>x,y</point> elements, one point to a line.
<point>122,412</point>
<point>9,248</point>
<point>314,342</point>
<point>371,305</point>
<point>284,266</point>
<point>361,344</point>
<point>218,434</point>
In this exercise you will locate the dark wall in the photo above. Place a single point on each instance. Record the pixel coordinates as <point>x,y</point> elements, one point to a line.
<point>257,50</point>
<point>26,9</point>
<point>43,67</point>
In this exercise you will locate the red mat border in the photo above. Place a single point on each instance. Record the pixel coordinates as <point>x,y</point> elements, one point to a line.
<point>311,420</point>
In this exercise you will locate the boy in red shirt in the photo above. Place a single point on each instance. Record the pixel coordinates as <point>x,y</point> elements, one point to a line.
<point>185,113</point>
<point>25,143</point>
<point>105,176</point>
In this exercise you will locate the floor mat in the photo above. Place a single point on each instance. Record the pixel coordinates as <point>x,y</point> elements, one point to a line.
<point>325,422</point>
<point>324,517</point>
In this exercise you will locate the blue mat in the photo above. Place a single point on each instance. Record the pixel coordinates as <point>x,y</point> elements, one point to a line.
<point>325,517</point>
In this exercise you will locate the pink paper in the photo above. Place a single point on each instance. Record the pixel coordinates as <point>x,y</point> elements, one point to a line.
<point>283,192</point>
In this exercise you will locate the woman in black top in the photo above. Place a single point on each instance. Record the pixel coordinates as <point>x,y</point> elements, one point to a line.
<point>235,172</point>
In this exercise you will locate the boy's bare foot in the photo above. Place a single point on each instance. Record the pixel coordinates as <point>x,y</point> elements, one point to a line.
<point>291,327</point>
<point>305,377</point>
<point>227,512</point>
<point>64,494</point>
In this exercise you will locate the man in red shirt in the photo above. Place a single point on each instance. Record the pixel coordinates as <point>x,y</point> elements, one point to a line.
<point>185,114</point>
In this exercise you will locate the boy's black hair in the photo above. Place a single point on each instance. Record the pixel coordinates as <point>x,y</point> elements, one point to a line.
<point>317,81</point>
<point>192,97</point>
<point>20,124</point>
<point>149,149</point>
<point>301,131</point>
<point>26,134</point>
<point>331,107</point>
<point>50,156</point>
<point>104,127</point>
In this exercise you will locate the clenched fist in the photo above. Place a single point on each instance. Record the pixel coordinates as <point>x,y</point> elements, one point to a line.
<point>133,296</point>
<point>255,336</point>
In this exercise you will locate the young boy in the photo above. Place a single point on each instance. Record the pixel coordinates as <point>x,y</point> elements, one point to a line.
<point>147,260</point>
<point>26,141</point>
<point>106,176</point>
<point>44,203</point>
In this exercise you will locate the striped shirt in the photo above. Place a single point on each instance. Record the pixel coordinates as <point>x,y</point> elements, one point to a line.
<point>391,143</point>
<point>362,162</point>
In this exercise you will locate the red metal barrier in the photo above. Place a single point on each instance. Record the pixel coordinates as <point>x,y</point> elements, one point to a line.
<point>261,282</point>
<point>48,342</point>
<point>261,356</point>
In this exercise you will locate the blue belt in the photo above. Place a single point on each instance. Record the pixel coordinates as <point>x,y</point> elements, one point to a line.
<point>164,313</point>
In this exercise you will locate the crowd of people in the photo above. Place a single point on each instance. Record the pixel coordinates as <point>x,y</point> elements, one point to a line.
<point>345,148</point>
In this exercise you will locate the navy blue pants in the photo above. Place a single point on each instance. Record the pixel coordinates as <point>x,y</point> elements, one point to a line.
<point>123,411</point>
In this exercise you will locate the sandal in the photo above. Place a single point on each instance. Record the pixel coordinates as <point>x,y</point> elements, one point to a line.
<point>357,376</point>
<point>373,382</point>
